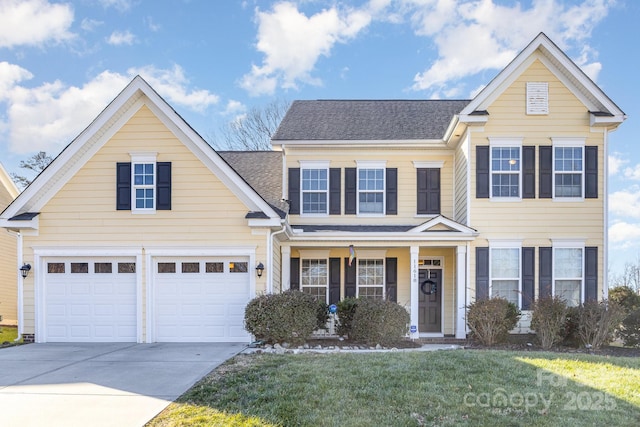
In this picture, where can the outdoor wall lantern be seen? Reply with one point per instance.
(260, 269)
(24, 270)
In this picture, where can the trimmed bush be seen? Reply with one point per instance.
(629, 331)
(597, 322)
(291, 317)
(490, 320)
(548, 320)
(628, 299)
(379, 322)
(570, 332)
(346, 310)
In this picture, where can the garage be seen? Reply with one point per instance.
(90, 300)
(201, 299)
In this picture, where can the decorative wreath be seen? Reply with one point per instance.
(431, 288)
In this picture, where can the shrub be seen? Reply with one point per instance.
(287, 317)
(570, 332)
(490, 320)
(548, 320)
(597, 322)
(629, 331)
(346, 310)
(379, 322)
(625, 297)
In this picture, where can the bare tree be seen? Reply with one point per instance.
(35, 164)
(630, 276)
(253, 131)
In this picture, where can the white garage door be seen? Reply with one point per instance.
(90, 300)
(201, 299)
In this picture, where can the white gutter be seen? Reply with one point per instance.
(270, 258)
(20, 280)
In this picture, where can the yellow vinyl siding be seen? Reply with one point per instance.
(8, 265)
(407, 181)
(205, 213)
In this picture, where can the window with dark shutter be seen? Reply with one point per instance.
(545, 190)
(123, 186)
(350, 191)
(591, 273)
(294, 191)
(428, 198)
(591, 172)
(335, 188)
(528, 277)
(334, 280)
(528, 172)
(482, 171)
(391, 273)
(392, 191)
(163, 186)
(482, 273)
(545, 274)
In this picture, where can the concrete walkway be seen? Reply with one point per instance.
(120, 384)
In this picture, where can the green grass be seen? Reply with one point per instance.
(445, 388)
(8, 333)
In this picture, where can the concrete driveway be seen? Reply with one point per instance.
(119, 384)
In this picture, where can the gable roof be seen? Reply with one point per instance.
(136, 94)
(603, 110)
(7, 183)
(353, 120)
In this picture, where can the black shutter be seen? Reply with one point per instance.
(391, 272)
(546, 172)
(334, 280)
(294, 191)
(163, 186)
(428, 183)
(482, 172)
(591, 273)
(350, 191)
(294, 274)
(529, 172)
(334, 191)
(392, 191)
(482, 273)
(528, 277)
(350, 278)
(123, 186)
(545, 275)
(591, 172)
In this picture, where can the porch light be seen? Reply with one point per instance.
(259, 269)
(24, 270)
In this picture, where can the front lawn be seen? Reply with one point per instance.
(443, 388)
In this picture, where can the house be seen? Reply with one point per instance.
(140, 231)
(8, 262)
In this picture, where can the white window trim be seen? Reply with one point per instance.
(567, 244)
(506, 244)
(314, 164)
(384, 274)
(143, 158)
(428, 165)
(309, 257)
(567, 142)
(372, 164)
(505, 142)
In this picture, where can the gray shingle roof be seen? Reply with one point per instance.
(263, 172)
(368, 119)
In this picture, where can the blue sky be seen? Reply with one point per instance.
(61, 62)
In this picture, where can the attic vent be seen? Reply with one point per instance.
(537, 98)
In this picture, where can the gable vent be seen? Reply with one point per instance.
(537, 98)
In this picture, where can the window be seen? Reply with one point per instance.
(314, 278)
(238, 267)
(505, 171)
(371, 187)
(505, 274)
(568, 274)
(568, 171)
(315, 186)
(144, 186)
(370, 278)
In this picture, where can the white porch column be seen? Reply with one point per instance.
(461, 292)
(414, 333)
(285, 268)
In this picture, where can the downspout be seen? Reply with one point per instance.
(20, 284)
(270, 258)
(605, 255)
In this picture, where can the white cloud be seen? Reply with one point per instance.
(293, 43)
(49, 116)
(120, 5)
(234, 108)
(479, 35)
(632, 173)
(90, 24)
(34, 22)
(624, 235)
(616, 162)
(626, 202)
(118, 38)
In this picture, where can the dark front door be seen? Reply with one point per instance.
(430, 301)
